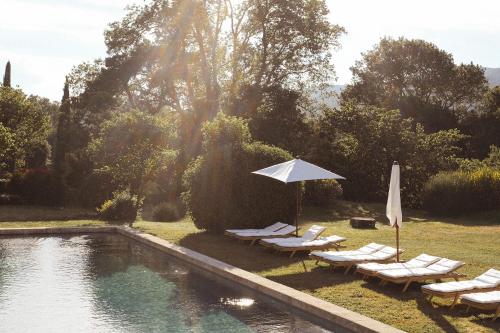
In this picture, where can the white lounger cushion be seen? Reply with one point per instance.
(422, 260)
(443, 266)
(298, 242)
(489, 279)
(310, 235)
(281, 232)
(272, 227)
(490, 297)
(386, 252)
(313, 232)
(367, 249)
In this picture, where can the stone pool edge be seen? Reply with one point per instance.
(307, 303)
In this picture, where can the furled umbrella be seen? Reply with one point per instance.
(296, 170)
(393, 209)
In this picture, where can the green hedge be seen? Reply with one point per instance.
(322, 193)
(220, 190)
(460, 192)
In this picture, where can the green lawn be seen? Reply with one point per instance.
(475, 240)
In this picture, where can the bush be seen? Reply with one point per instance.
(460, 192)
(322, 193)
(220, 191)
(36, 186)
(10, 199)
(169, 211)
(123, 207)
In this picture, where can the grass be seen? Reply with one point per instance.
(474, 239)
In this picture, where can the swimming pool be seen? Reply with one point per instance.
(109, 283)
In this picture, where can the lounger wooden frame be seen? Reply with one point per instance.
(455, 294)
(254, 238)
(482, 306)
(350, 264)
(293, 250)
(407, 280)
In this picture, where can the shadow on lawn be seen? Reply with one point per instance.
(435, 312)
(317, 277)
(240, 254)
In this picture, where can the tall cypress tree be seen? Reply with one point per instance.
(61, 142)
(6, 76)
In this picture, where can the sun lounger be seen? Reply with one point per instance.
(444, 268)
(488, 281)
(484, 301)
(254, 236)
(308, 242)
(370, 253)
(372, 268)
(273, 227)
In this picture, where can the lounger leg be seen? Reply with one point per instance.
(430, 298)
(497, 313)
(468, 308)
(293, 252)
(347, 269)
(317, 262)
(406, 285)
(455, 300)
(253, 242)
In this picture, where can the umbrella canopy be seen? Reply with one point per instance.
(295, 171)
(393, 209)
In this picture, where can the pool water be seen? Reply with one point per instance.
(108, 283)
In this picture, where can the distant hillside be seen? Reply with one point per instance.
(493, 76)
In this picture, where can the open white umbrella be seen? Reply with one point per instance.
(296, 170)
(393, 209)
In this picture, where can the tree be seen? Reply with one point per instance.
(280, 121)
(63, 132)
(133, 148)
(361, 142)
(418, 78)
(6, 76)
(28, 125)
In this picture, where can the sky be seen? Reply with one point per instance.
(44, 39)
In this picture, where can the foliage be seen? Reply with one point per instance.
(25, 127)
(483, 125)
(35, 186)
(322, 193)
(222, 193)
(361, 142)
(133, 147)
(169, 211)
(460, 192)
(122, 207)
(280, 121)
(491, 161)
(418, 78)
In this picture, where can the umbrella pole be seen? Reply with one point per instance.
(298, 211)
(397, 242)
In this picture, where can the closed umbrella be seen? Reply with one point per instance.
(393, 209)
(296, 170)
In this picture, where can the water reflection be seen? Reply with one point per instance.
(107, 283)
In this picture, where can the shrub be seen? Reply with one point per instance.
(122, 207)
(220, 191)
(460, 192)
(36, 186)
(169, 211)
(322, 193)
